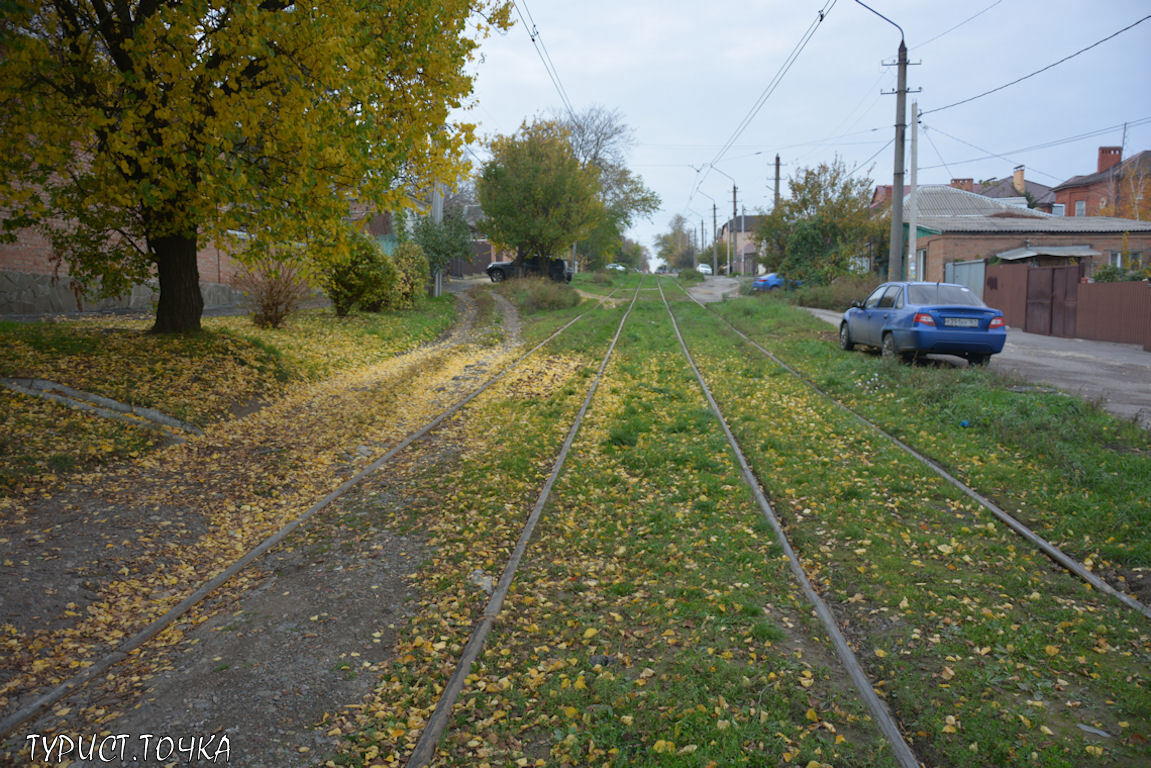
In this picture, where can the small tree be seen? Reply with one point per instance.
(537, 197)
(451, 238)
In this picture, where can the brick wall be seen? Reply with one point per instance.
(945, 248)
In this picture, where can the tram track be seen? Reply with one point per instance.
(102, 665)
(1056, 555)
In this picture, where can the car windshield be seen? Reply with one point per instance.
(943, 293)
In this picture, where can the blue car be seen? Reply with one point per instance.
(771, 281)
(905, 320)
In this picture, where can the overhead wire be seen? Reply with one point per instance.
(772, 85)
(1038, 71)
(991, 154)
(542, 51)
(957, 26)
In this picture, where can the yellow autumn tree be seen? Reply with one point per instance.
(133, 131)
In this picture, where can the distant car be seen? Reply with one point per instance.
(773, 280)
(616, 267)
(906, 319)
(556, 269)
(704, 269)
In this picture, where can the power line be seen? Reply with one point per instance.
(957, 26)
(1038, 71)
(1034, 147)
(545, 57)
(927, 135)
(868, 160)
(993, 154)
(767, 91)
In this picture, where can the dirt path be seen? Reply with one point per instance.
(294, 637)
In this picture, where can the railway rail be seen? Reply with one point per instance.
(123, 650)
(1070, 564)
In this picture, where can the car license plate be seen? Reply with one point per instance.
(961, 322)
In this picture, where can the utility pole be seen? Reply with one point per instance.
(714, 247)
(437, 218)
(895, 252)
(733, 241)
(775, 204)
(743, 247)
(912, 224)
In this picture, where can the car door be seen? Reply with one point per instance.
(881, 317)
(862, 329)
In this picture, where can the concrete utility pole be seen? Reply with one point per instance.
(912, 223)
(714, 248)
(895, 253)
(733, 241)
(775, 204)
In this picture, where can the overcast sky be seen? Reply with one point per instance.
(684, 75)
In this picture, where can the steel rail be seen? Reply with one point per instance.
(425, 748)
(124, 649)
(1058, 556)
(878, 708)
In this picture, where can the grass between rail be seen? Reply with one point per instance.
(1075, 474)
(199, 378)
(988, 655)
(653, 621)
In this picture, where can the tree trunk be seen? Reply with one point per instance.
(181, 302)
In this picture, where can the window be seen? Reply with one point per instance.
(1114, 258)
(1080, 207)
(943, 293)
(873, 299)
(890, 297)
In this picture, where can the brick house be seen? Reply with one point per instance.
(1113, 179)
(956, 226)
(745, 252)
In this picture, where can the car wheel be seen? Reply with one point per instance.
(497, 275)
(889, 351)
(845, 342)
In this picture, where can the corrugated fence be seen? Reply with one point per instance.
(1119, 312)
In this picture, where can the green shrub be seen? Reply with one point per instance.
(362, 276)
(1109, 273)
(691, 275)
(601, 277)
(412, 275)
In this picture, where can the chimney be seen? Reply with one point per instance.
(1109, 157)
(1017, 182)
(967, 185)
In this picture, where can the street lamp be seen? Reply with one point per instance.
(895, 253)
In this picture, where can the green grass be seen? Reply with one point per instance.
(959, 616)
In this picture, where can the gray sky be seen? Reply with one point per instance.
(686, 74)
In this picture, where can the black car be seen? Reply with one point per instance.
(556, 269)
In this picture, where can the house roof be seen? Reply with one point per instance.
(746, 223)
(946, 209)
(938, 200)
(1005, 188)
(1140, 161)
(1023, 224)
(1067, 251)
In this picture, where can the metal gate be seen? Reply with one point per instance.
(969, 273)
(1052, 299)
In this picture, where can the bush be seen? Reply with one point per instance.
(601, 277)
(363, 276)
(275, 287)
(1109, 273)
(691, 275)
(837, 295)
(538, 294)
(412, 275)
